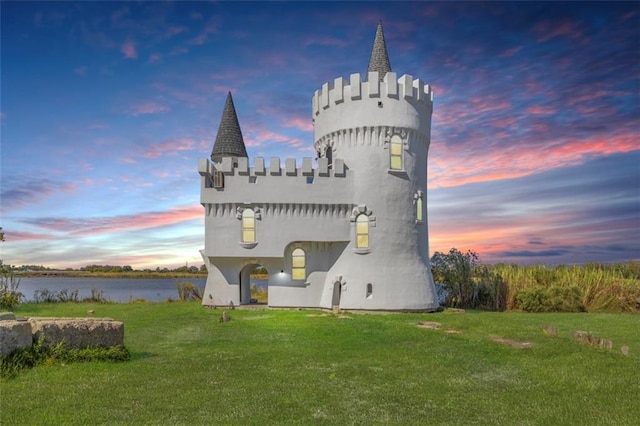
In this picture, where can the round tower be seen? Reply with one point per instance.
(380, 126)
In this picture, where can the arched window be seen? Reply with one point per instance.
(362, 231)
(298, 265)
(395, 150)
(248, 226)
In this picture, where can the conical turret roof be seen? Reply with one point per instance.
(379, 60)
(229, 142)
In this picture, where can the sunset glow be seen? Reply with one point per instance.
(107, 107)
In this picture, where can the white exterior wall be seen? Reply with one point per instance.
(357, 121)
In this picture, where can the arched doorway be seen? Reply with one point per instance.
(254, 288)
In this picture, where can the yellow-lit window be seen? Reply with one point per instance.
(419, 208)
(298, 264)
(248, 226)
(395, 148)
(362, 231)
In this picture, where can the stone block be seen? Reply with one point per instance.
(243, 166)
(338, 167)
(274, 167)
(258, 166)
(290, 166)
(307, 166)
(14, 335)
(323, 166)
(77, 333)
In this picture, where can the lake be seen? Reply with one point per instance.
(114, 289)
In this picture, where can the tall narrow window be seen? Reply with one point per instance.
(419, 208)
(298, 264)
(395, 149)
(248, 226)
(362, 231)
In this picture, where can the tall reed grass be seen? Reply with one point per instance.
(593, 287)
(602, 287)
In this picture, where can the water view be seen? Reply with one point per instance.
(114, 289)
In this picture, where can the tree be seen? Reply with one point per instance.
(455, 271)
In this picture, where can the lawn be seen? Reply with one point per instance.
(310, 367)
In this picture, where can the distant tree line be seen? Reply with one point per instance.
(186, 269)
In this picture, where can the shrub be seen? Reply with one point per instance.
(9, 283)
(97, 296)
(454, 270)
(550, 299)
(65, 296)
(44, 295)
(465, 283)
(188, 291)
(38, 354)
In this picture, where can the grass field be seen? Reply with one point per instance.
(311, 367)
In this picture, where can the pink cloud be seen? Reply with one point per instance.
(128, 49)
(174, 30)
(510, 52)
(447, 168)
(146, 108)
(27, 236)
(107, 225)
(541, 110)
(304, 124)
(548, 30)
(211, 27)
(170, 147)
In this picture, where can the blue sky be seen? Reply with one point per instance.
(106, 108)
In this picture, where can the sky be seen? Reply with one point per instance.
(106, 108)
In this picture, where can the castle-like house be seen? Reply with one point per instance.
(349, 231)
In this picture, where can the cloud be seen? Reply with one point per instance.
(23, 191)
(480, 163)
(128, 49)
(325, 41)
(510, 52)
(81, 71)
(300, 123)
(11, 237)
(529, 253)
(146, 108)
(541, 110)
(174, 30)
(171, 147)
(587, 212)
(210, 27)
(550, 29)
(114, 224)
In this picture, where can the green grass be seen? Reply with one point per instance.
(287, 367)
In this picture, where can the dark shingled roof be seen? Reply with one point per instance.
(379, 60)
(229, 142)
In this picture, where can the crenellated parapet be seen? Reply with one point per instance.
(276, 167)
(401, 102)
(341, 90)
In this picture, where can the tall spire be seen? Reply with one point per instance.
(229, 142)
(379, 60)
